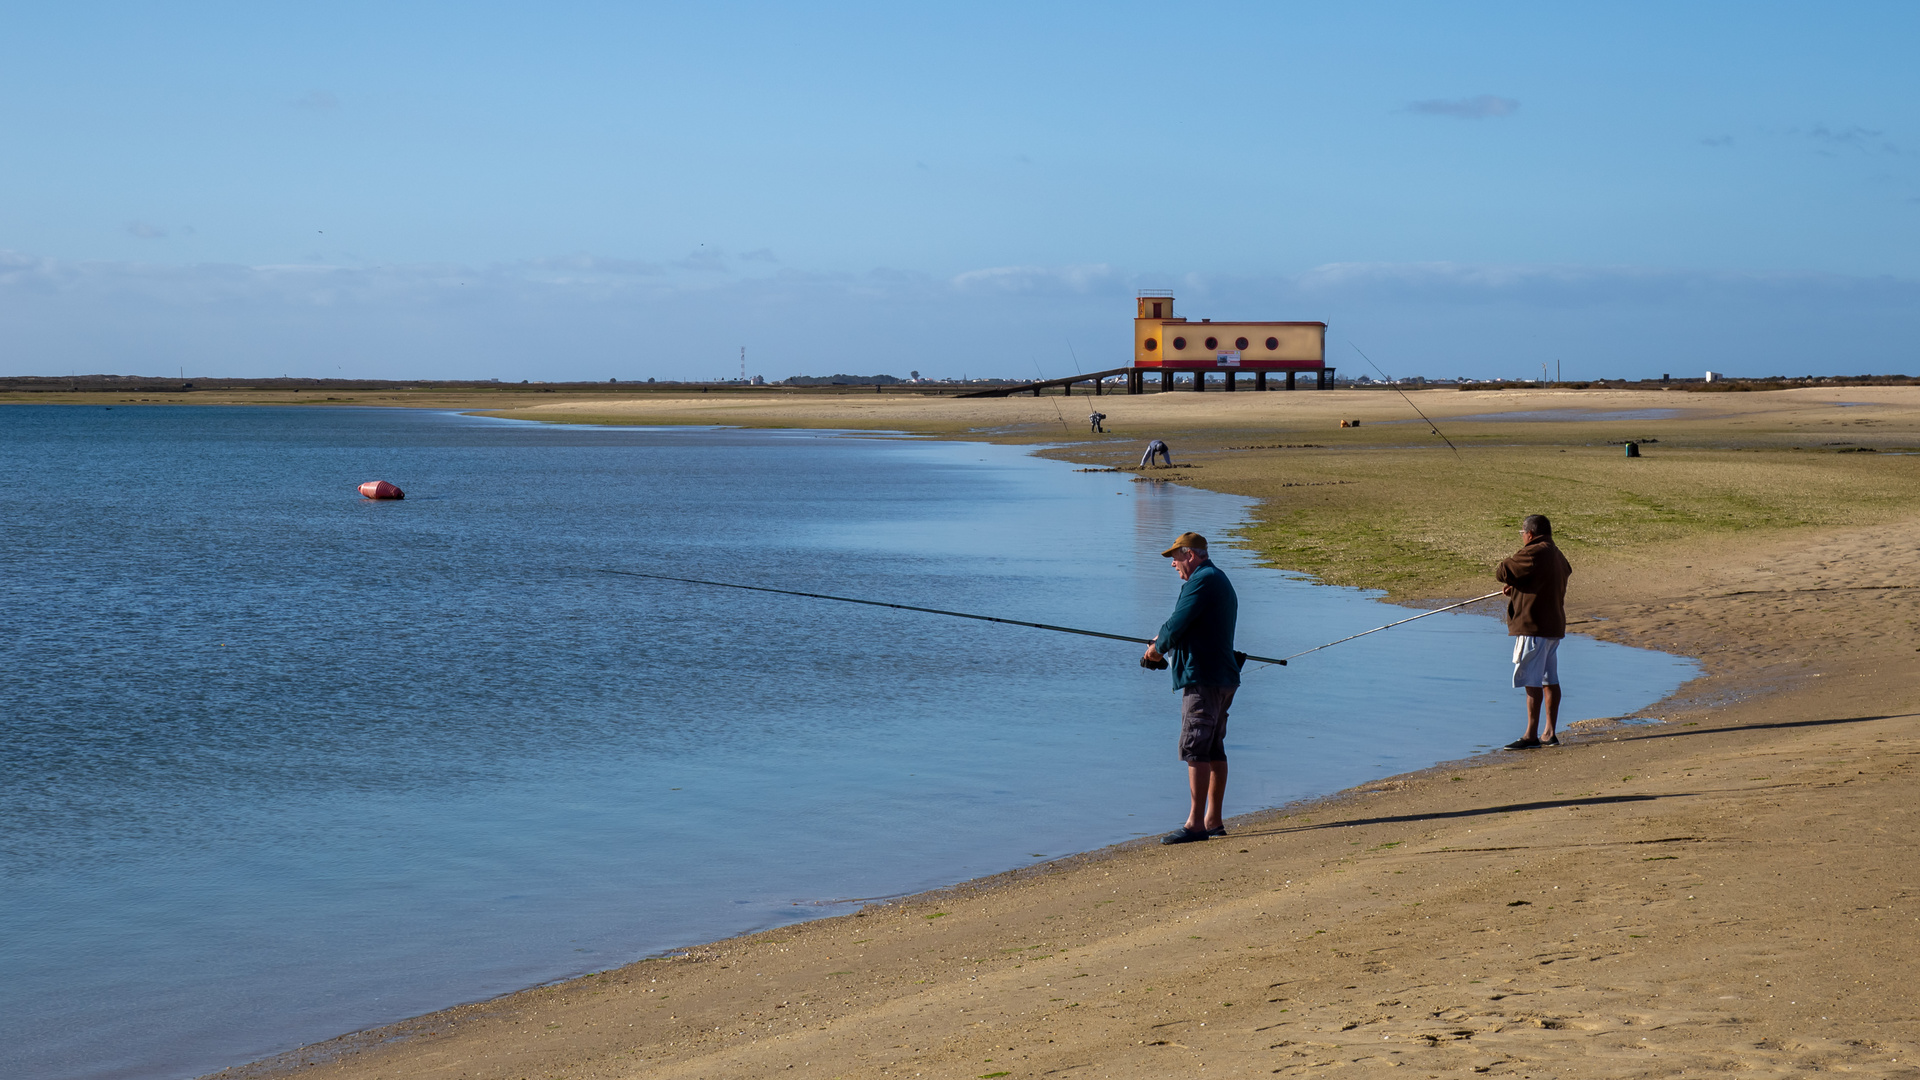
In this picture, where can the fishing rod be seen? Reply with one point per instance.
(1056, 405)
(1410, 404)
(911, 607)
(1391, 625)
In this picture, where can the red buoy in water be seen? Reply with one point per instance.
(380, 489)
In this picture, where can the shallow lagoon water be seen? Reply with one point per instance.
(283, 763)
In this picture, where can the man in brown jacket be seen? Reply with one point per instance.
(1536, 586)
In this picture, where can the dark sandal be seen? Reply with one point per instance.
(1183, 835)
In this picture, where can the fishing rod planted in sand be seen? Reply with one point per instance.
(912, 607)
(1391, 625)
(1410, 404)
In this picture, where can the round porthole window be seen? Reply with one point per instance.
(1273, 343)
(1152, 344)
(1179, 343)
(1213, 343)
(1239, 343)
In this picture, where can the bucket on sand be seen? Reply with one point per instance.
(1633, 449)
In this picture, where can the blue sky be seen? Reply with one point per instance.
(590, 191)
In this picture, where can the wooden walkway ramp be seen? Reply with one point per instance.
(1066, 385)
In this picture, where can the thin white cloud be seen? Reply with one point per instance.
(1483, 107)
(583, 316)
(1565, 285)
(1852, 137)
(705, 259)
(1028, 279)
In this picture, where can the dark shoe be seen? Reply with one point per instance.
(1218, 830)
(1183, 835)
(1555, 741)
(1523, 744)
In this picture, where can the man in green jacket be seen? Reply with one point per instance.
(1198, 641)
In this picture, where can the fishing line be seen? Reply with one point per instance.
(1279, 662)
(1410, 403)
(909, 607)
(1391, 625)
(1056, 405)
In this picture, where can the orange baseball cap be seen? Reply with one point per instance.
(1186, 540)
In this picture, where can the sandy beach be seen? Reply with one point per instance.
(1733, 888)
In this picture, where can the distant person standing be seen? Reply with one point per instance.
(1094, 418)
(1197, 642)
(1536, 586)
(1156, 447)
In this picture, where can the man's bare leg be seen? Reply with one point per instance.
(1536, 696)
(1207, 783)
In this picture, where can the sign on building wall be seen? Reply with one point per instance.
(1228, 359)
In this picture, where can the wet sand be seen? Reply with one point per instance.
(1733, 889)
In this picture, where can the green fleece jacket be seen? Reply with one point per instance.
(1197, 639)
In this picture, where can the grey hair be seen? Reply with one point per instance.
(1537, 524)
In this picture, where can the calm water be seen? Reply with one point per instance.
(282, 763)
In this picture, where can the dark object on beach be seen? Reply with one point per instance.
(1184, 835)
(380, 489)
(1633, 449)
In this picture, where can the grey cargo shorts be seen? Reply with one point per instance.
(1203, 723)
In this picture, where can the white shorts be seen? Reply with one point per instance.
(1536, 661)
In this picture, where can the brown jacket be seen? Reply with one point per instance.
(1538, 604)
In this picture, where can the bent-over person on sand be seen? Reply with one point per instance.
(1536, 586)
(1156, 448)
(1197, 640)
